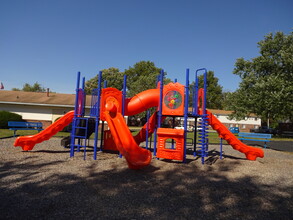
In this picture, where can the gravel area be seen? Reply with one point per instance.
(47, 184)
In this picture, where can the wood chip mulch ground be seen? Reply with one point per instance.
(46, 183)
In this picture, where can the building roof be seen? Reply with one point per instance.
(38, 98)
(60, 100)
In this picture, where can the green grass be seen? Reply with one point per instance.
(4, 133)
(213, 136)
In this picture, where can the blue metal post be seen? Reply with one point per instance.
(82, 115)
(221, 148)
(186, 111)
(147, 130)
(161, 98)
(161, 79)
(205, 92)
(124, 94)
(84, 96)
(123, 100)
(173, 125)
(98, 115)
(194, 136)
(205, 123)
(72, 142)
(195, 100)
(103, 125)
(77, 90)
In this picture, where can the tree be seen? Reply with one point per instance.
(214, 91)
(36, 87)
(142, 76)
(266, 88)
(113, 77)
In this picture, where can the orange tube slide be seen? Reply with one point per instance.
(142, 102)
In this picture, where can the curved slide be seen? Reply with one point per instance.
(135, 156)
(28, 142)
(251, 153)
(141, 135)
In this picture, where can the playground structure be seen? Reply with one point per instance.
(109, 105)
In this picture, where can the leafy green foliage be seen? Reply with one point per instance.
(214, 91)
(36, 87)
(267, 80)
(113, 77)
(6, 116)
(142, 76)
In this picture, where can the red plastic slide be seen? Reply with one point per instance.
(141, 135)
(28, 142)
(142, 101)
(251, 153)
(135, 156)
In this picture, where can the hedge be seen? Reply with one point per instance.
(6, 116)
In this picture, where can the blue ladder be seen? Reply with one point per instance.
(203, 137)
(79, 135)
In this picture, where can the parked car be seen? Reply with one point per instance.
(264, 129)
(189, 128)
(234, 130)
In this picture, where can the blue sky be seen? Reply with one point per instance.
(49, 41)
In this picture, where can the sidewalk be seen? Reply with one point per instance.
(275, 145)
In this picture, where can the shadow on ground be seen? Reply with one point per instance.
(183, 192)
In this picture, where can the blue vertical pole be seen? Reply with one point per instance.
(221, 148)
(205, 92)
(147, 130)
(173, 126)
(123, 100)
(205, 120)
(124, 94)
(186, 111)
(98, 115)
(161, 98)
(72, 142)
(103, 125)
(195, 100)
(84, 96)
(175, 80)
(161, 80)
(77, 90)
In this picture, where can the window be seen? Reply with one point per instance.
(243, 126)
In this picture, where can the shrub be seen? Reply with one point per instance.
(6, 116)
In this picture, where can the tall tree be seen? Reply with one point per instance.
(267, 86)
(113, 77)
(36, 87)
(142, 76)
(214, 91)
